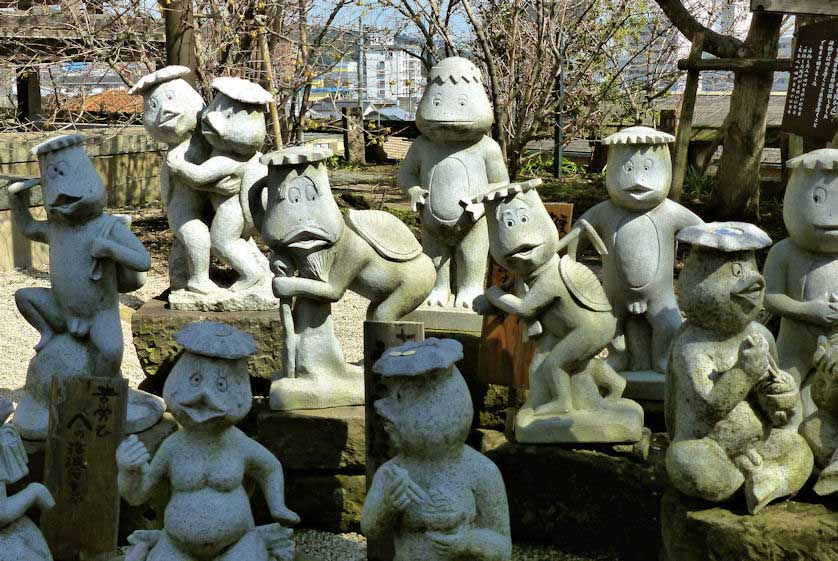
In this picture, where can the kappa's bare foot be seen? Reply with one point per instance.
(438, 298)
(465, 298)
(202, 286)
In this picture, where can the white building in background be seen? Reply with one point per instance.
(391, 74)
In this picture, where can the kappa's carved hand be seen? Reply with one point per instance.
(638, 307)
(283, 287)
(482, 306)
(101, 248)
(43, 498)
(754, 356)
(821, 312)
(132, 455)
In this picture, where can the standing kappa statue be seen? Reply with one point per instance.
(212, 162)
(638, 225)
(93, 257)
(801, 271)
(452, 162)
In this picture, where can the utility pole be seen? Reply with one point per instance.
(361, 72)
(179, 20)
(558, 134)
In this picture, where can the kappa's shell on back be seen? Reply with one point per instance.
(583, 284)
(388, 235)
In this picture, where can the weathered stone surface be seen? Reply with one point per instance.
(787, 530)
(260, 297)
(316, 439)
(154, 326)
(582, 499)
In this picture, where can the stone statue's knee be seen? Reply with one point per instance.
(700, 468)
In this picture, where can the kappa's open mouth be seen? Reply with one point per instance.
(523, 251)
(638, 190)
(308, 238)
(201, 413)
(751, 295)
(65, 202)
(827, 227)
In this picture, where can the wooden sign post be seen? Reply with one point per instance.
(812, 99)
(378, 337)
(504, 358)
(810, 7)
(86, 425)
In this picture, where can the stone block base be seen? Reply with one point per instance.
(322, 453)
(154, 327)
(592, 499)
(694, 531)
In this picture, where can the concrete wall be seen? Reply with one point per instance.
(127, 159)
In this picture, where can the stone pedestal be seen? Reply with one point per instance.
(491, 401)
(154, 327)
(322, 452)
(695, 531)
(591, 500)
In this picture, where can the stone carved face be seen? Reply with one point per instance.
(73, 190)
(454, 107)
(233, 126)
(171, 111)
(522, 236)
(810, 209)
(301, 213)
(638, 176)
(722, 292)
(428, 415)
(206, 391)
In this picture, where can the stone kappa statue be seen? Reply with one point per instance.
(438, 499)
(567, 315)
(212, 162)
(820, 429)
(728, 404)
(93, 257)
(317, 257)
(638, 225)
(452, 162)
(801, 271)
(171, 111)
(20, 538)
(205, 463)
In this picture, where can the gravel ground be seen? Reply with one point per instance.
(353, 547)
(19, 338)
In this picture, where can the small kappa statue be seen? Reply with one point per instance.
(205, 463)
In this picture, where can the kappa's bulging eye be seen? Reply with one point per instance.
(736, 269)
(628, 167)
(221, 384)
(294, 195)
(648, 164)
(462, 100)
(819, 195)
(311, 192)
(437, 101)
(153, 103)
(196, 379)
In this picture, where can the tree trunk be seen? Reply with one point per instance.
(180, 36)
(736, 194)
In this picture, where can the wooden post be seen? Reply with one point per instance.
(378, 337)
(267, 67)
(180, 36)
(354, 146)
(685, 122)
(86, 425)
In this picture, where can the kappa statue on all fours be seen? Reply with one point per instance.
(318, 254)
(452, 162)
(638, 225)
(568, 317)
(801, 271)
(20, 538)
(728, 404)
(205, 464)
(93, 257)
(437, 499)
